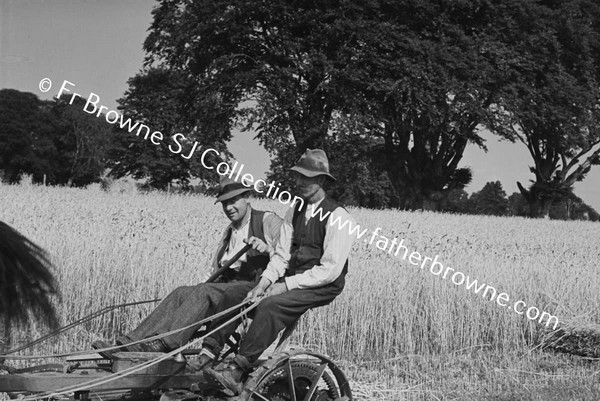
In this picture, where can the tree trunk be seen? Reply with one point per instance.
(5, 338)
(546, 209)
(540, 208)
(411, 197)
(569, 207)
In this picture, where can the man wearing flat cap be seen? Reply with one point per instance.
(307, 270)
(189, 304)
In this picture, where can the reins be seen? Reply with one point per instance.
(126, 372)
(107, 309)
(76, 323)
(116, 347)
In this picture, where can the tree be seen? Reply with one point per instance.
(572, 208)
(428, 75)
(361, 180)
(552, 102)
(414, 75)
(286, 57)
(456, 201)
(23, 129)
(81, 141)
(490, 200)
(50, 138)
(517, 205)
(164, 101)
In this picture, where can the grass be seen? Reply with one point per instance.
(399, 331)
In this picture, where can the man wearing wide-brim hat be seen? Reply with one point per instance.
(189, 304)
(307, 270)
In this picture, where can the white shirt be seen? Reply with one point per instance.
(271, 227)
(336, 248)
(236, 243)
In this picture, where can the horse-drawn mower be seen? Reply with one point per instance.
(290, 375)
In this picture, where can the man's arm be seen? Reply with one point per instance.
(279, 260)
(336, 248)
(271, 228)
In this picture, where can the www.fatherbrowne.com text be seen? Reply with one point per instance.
(396, 247)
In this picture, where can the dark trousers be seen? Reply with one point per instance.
(272, 315)
(182, 307)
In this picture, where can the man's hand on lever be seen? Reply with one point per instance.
(258, 244)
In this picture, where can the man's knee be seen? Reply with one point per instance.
(179, 291)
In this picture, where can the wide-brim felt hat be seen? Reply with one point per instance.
(229, 188)
(313, 163)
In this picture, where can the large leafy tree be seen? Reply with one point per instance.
(51, 139)
(428, 73)
(552, 104)
(517, 205)
(287, 59)
(24, 126)
(573, 208)
(457, 201)
(81, 140)
(411, 78)
(490, 200)
(189, 122)
(288, 56)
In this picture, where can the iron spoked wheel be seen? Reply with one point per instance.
(297, 375)
(308, 381)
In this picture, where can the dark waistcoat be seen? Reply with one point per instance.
(255, 261)
(308, 239)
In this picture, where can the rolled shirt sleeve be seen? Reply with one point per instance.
(281, 256)
(271, 228)
(336, 248)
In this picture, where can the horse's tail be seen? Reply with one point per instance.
(26, 280)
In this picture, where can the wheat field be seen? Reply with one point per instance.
(400, 332)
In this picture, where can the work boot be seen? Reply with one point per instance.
(157, 345)
(230, 378)
(206, 359)
(100, 345)
(123, 340)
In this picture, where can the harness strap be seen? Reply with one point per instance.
(74, 324)
(126, 372)
(116, 347)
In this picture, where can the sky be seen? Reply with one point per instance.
(97, 46)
